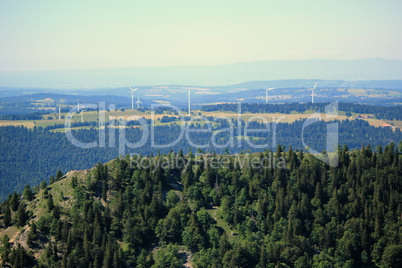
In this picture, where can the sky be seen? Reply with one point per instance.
(76, 34)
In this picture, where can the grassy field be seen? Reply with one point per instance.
(92, 116)
(376, 122)
(373, 93)
(214, 212)
(25, 123)
(396, 123)
(270, 117)
(62, 195)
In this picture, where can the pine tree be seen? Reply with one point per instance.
(5, 249)
(21, 216)
(14, 201)
(224, 245)
(7, 217)
(32, 235)
(59, 175)
(50, 202)
(27, 193)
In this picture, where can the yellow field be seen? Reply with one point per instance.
(396, 123)
(92, 116)
(270, 117)
(357, 91)
(379, 123)
(375, 122)
(25, 123)
(371, 93)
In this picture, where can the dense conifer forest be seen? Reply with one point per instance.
(29, 156)
(267, 209)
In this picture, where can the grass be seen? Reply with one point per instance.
(358, 91)
(73, 128)
(92, 116)
(62, 194)
(396, 123)
(270, 117)
(371, 93)
(214, 212)
(12, 232)
(25, 123)
(375, 122)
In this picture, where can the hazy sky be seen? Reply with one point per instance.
(76, 34)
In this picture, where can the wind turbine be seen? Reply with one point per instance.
(189, 102)
(138, 103)
(132, 96)
(266, 94)
(78, 101)
(59, 112)
(312, 93)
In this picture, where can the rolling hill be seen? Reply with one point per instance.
(220, 75)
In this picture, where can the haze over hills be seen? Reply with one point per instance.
(219, 75)
(379, 92)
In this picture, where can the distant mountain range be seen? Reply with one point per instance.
(211, 76)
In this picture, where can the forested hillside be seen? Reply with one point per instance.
(215, 211)
(30, 156)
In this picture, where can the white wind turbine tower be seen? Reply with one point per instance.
(78, 101)
(312, 93)
(59, 112)
(189, 102)
(132, 96)
(266, 94)
(138, 103)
